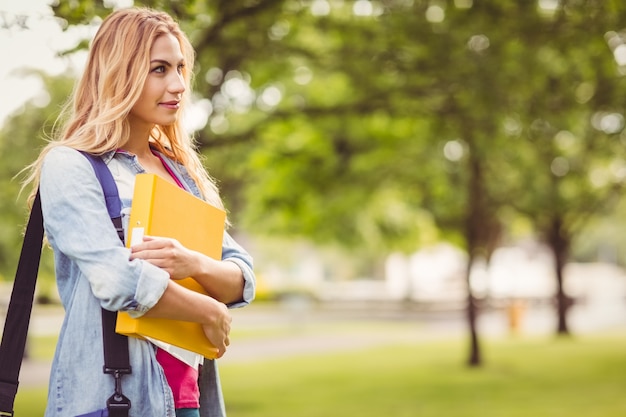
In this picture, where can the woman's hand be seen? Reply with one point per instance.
(222, 280)
(168, 254)
(180, 303)
(218, 331)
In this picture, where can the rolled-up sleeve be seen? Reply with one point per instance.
(77, 224)
(233, 252)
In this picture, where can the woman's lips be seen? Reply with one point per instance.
(171, 104)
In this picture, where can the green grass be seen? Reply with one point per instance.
(554, 378)
(581, 376)
(30, 402)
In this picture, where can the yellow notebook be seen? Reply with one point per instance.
(160, 208)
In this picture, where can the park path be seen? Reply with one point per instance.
(302, 329)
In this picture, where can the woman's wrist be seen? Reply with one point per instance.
(222, 280)
(212, 311)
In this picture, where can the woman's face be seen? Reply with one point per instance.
(160, 98)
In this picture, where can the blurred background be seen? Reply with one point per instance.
(457, 164)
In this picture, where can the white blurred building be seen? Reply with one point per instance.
(437, 274)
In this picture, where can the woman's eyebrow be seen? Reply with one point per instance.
(165, 62)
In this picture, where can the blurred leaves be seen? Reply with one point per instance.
(393, 123)
(21, 139)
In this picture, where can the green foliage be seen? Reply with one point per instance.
(370, 102)
(78, 12)
(21, 138)
(416, 121)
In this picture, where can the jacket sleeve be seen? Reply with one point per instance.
(78, 225)
(233, 252)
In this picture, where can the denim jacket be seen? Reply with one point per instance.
(93, 270)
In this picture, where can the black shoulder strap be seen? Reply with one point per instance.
(116, 359)
(20, 307)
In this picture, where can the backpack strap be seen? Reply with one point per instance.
(19, 311)
(111, 195)
(116, 358)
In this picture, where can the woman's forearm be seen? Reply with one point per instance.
(180, 303)
(223, 280)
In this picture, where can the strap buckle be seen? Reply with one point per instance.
(118, 403)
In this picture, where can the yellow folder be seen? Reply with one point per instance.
(160, 208)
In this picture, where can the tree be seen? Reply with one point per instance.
(568, 120)
(349, 121)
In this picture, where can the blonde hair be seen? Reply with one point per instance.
(113, 79)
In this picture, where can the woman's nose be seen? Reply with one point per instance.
(177, 85)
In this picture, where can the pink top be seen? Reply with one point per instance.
(182, 379)
(169, 171)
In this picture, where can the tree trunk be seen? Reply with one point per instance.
(476, 227)
(559, 244)
(475, 357)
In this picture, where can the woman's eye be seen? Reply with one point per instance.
(180, 68)
(159, 69)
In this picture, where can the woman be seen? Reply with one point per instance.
(127, 109)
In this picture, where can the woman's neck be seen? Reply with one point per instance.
(141, 149)
(138, 142)
(150, 162)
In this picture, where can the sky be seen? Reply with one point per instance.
(32, 47)
(35, 45)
